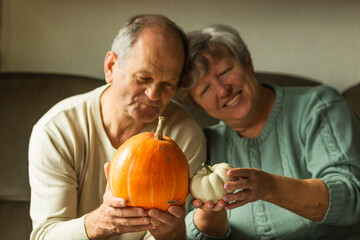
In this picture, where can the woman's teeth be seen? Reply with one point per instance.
(233, 100)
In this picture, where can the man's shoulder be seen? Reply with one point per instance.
(180, 124)
(67, 108)
(176, 114)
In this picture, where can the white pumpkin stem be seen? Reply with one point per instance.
(159, 130)
(208, 170)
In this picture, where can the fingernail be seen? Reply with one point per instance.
(226, 198)
(227, 186)
(123, 202)
(197, 204)
(222, 204)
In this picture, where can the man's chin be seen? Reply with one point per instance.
(146, 117)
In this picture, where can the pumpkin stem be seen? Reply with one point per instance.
(208, 170)
(159, 130)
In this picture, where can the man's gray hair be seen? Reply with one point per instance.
(131, 29)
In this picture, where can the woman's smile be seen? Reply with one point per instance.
(233, 101)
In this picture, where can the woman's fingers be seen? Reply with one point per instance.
(209, 205)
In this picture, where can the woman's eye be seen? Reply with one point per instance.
(204, 90)
(225, 71)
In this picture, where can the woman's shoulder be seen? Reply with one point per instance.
(217, 131)
(320, 92)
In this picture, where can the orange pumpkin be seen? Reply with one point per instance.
(150, 171)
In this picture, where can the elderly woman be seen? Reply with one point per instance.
(295, 151)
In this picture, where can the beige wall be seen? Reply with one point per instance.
(319, 39)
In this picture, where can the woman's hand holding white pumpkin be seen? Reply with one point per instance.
(208, 183)
(207, 187)
(253, 183)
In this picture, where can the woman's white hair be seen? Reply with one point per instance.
(216, 41)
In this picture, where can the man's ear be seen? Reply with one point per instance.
(109, 63)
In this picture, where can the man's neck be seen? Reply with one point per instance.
(118, 126)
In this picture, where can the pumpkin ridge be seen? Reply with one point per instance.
(174, 183)
(129, 184)
(152, 188)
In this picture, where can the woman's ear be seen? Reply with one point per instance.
(109, 63)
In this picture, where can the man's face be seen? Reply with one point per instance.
(145, 83)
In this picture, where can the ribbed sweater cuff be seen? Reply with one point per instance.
(337, 190)
(77, 229)
(193, 232)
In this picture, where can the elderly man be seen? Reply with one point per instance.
(73, 142)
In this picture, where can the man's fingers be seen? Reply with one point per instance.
(174, 212)
(177, 211)
(133, 221)
(113, 201)
(159, 215)
(155, 222)
(126, 229)
(130, 212)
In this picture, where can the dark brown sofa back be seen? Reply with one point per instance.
(24, 98)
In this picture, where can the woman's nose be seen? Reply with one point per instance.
(223, 89)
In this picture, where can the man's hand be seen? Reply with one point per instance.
(168, 225)
(113, 217)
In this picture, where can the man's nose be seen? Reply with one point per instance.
(153, 92)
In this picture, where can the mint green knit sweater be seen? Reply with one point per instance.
(311, 133)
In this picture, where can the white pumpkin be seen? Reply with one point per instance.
(207, 184)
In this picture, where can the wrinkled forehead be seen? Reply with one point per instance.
(203, 60)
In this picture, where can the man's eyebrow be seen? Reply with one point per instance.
(143, 71)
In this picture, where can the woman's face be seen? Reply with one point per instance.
(228, 91)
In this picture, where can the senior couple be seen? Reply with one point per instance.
(295, 151)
